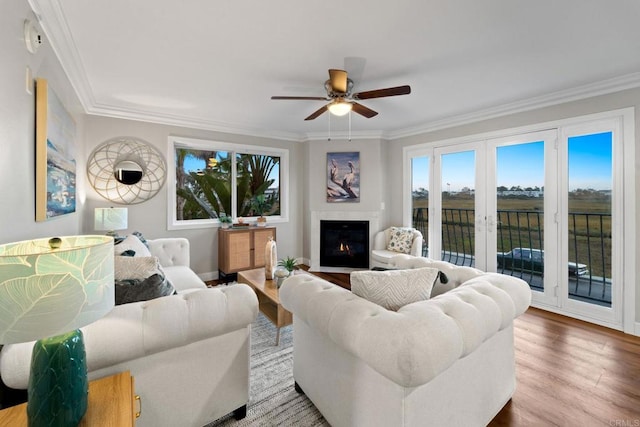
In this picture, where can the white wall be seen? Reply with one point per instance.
(17, 130)
(374, 170)
(627, 98)
(150, 217)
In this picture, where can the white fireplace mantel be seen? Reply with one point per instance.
(317, 216)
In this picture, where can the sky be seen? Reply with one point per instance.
(590, 165)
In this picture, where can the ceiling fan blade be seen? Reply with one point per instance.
(338, 80)
(363, 111)
(307, 98)
(317, 113)
(381, 93)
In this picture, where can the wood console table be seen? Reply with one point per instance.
(111, 403)
(241, 249)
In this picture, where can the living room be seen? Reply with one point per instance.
(382, 154)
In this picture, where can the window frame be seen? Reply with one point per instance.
(234, 148)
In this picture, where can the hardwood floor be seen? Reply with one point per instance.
(569, 372)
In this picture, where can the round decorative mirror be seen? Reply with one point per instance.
(126, 170)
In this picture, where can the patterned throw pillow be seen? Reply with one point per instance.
(393, 289)
(139, 279)
(127, 267)
(401, 240)
(132, 243)
(141, 238)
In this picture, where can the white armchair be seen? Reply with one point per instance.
(381, 255)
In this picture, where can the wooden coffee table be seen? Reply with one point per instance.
(268, 300)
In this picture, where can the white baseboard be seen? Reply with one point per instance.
(212, 275)
(637, 329)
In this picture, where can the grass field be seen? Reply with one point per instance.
(521, 224)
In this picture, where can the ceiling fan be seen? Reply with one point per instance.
(341, 100)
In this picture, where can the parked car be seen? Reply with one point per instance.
(532, 260)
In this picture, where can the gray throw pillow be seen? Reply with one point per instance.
(393, 289)
(134, 290)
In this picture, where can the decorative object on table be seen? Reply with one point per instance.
(260, 205)
(110, 219)
(270, 258)
(55, 155)
(47, 292)
(343, 177)
(126, 170)
(240, 222)
(225, 221)
(280, 274)
(289, 264)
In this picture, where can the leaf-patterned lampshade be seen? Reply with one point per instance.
(46, 292)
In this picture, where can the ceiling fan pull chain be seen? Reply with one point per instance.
(329, 137)
(349, 126)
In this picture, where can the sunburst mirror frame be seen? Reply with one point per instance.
(104, 170)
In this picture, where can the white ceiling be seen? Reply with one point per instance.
(215, 64)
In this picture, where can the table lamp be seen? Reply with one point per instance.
(48, 289)
(110, 219)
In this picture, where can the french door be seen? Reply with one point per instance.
(591, 206)
(543, 206)
(455, 188)
(521, 226)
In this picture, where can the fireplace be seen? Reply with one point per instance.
(344, 244)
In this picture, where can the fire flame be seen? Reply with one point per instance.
(344, 248)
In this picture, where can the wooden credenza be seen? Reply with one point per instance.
(241, 249)
(111, 403)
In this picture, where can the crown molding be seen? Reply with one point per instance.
(57, 30)
(53, 22)
(190, 122)
(604, 87)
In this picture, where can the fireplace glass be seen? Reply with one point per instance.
(344, 244)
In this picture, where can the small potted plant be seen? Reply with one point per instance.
(225, 221)
(285, 269)
(260, 205)
(289, 264)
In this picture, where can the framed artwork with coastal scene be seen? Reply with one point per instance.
(343, 177)
(55, 155)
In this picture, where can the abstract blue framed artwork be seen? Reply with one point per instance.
(343, 177)
(55, 155)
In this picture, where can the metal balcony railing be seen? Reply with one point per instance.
(520, 247)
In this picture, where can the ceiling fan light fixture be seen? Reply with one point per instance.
(340, 107)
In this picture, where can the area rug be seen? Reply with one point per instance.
(273, 400)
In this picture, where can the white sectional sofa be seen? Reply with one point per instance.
(189, 353)
(448, 360)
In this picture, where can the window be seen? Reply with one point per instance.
(213, 179)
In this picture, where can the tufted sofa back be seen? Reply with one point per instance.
(455, 274)
(171, 251)
(420, 340)
(151, 327)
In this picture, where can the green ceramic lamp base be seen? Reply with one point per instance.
(58, 384)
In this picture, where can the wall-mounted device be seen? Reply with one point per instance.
(32, 36)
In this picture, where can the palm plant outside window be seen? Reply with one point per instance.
(207, 182)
